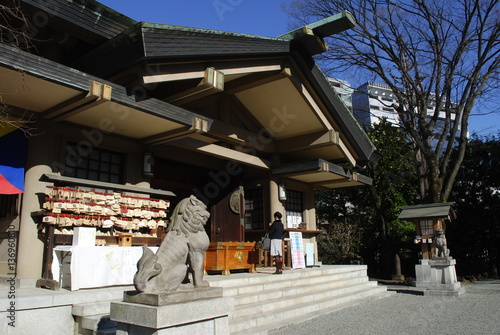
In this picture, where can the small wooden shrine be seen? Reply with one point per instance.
(430, 272)
(428, 218)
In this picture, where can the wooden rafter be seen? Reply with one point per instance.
(97, 94)
(199, 126)
(253, 80)
(237, 136)
(309, 141)
(223, 152)
(212, 82)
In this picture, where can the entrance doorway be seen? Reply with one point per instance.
(226, 206)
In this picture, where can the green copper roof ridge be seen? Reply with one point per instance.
(343, 18)
(117, 13)
(205, 31)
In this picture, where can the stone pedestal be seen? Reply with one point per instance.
(422, 274)
(197, 311)
(443, 278)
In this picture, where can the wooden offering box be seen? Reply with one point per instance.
(125, 239)
(227, 256)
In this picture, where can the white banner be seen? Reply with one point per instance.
(297, 250)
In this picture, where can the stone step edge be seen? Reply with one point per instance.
(265, 329)
(306, 289)
(328, 294)
(91, 322)
(241, 321)
(286, 277)
(249, 280)
(285, 283)
(92, 308)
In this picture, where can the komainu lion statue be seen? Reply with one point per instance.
(440, 245)
(183, 246)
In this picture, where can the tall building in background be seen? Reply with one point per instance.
(373, 101)
(369, 103)
(344, 90)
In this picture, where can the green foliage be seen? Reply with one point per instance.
(365, 218)
(437, 57)
(340, 219)
(474, 236)
(340, 243)
(394, 176)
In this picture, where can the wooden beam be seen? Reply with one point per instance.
(240, 137)
(158, 72)
(347, 153)
(104, 185)
(199, 126)
(225, 153)
(254, 80)
(94, 93)
(311, 42)
(324, 27)
(104, 96)
(250, 69)
(160, 78)
(314, 106)
(212, 82)
(309, 141)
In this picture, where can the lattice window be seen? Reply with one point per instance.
(426, 227)
(294, 207)
(254, 209)
(94, 164)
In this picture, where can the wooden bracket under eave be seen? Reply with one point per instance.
(199, 126)
(98, 93)
(309, 141)
(212, 82)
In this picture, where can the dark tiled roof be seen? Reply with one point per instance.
(90, 16)
(437, 210)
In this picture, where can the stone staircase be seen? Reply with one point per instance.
(264, 302)
(93, 318)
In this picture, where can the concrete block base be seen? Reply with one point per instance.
(205, 316)
(160, 299)
(445, 290)
(422, 274)
(443, 278)
(208, 327)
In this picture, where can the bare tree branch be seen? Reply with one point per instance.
(438, 57)
(14, 31)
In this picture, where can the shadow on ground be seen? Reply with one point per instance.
(400, 287)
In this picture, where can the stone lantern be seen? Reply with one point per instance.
(436, 271)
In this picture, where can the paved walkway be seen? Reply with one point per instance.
(409, 312)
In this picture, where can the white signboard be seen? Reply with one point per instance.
(297, 250)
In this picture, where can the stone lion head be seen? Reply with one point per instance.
(189, 216)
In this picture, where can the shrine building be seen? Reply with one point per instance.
(127, 118)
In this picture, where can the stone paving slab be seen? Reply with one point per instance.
(410, 312)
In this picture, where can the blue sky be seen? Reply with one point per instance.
(255, 17)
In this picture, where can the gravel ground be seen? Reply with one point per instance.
(409, 312)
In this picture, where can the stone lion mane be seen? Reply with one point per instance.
(187, 217)
(184, 245)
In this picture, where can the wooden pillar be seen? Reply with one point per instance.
(275, 203)
(30, 247)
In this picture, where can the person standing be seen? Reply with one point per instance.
(276, 230)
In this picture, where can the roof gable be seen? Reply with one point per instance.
(152, 42)
(88, 17)
(438, 210)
